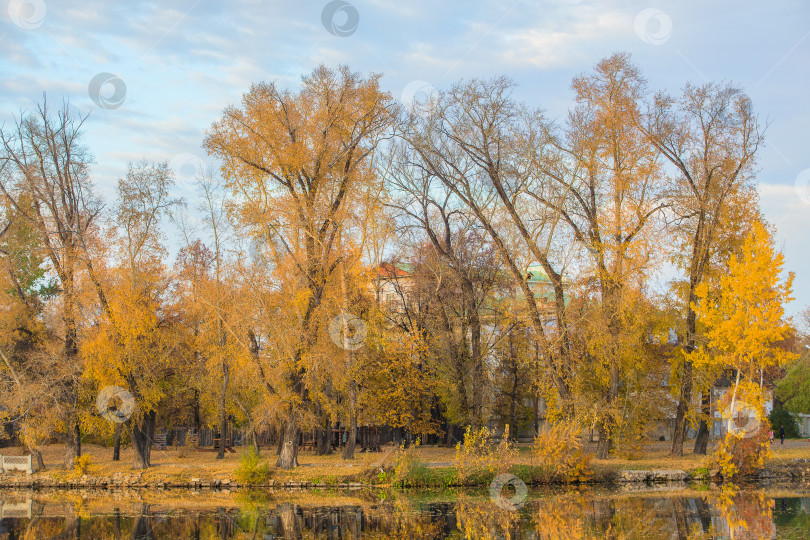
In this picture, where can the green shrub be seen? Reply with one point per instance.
(251, 469)
(782, 417)
(410, 471)
(701, 473)
(420, 475)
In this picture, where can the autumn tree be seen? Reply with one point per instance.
(135, 342)
(209, 297)
(605, 186)
(398, 383)
(710, 135)
(793, 389)
(43, 162)
(746, 328)
(455, 271)
(294, 162)
(29, 375)
(514, 377)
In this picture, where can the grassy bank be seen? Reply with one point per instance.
(427, 467)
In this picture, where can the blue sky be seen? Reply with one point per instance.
(181, 62)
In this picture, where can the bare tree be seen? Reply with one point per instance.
(43, 158)
(605, 185)
(711, 135)
(456, 265)
(474, 141)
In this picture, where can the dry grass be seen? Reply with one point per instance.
(172, 464)
(179, 465)
(656, 456)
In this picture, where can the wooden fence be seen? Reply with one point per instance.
(369, 438)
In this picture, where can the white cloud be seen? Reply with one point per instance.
(558, 43)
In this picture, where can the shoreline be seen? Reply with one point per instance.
(425, 467)
(797, 471)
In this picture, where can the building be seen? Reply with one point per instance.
(804, 424)
(719, 425)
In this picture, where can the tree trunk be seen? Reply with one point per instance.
(142, 528)
(77, 433)
(119, 428)
(680, 511)
(325, 438)
(197, 418)
(606, 426)
(704, 514)
(152, 424)
(288, 516)
(70, 453)
(38, 456)
(117, 523)
(288, 457)
(536, 415)
(320, 445)
(255, 441)
(685, 398)
(351, 440)
(679, 432)
(603, 446)
(73, 445)
(515, 382)
(448, 441)
(142, 441)
(223, 419)
(702, 439)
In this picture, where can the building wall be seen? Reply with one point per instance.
(804, 424)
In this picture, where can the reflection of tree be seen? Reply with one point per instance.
(561, 517)
(603, 511)
(744, 515)
(704, 515)
(402, 519)
(288, 516)
(486, 520)
(791, 520)
(142, 528)
(725, 513)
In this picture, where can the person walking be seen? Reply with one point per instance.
(782, 433)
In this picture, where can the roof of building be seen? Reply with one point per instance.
(536, 274)
(389, 270)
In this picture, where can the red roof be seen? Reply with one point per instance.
(388, 270)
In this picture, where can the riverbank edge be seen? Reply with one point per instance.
(795, 470)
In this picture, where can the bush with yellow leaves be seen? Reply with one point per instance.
(558, 454)
(476, 457)
(83, 465)
(746, 444)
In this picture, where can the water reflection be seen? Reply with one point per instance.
(682, 514)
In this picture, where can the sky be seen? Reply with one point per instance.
(153, 76)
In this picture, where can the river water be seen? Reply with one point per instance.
(779, 512)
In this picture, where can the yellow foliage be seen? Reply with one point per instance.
(558, 452)
(476, 454)
(744, 316)
(84, 465)
(746, 445)
(405, 459)
(744, 313)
